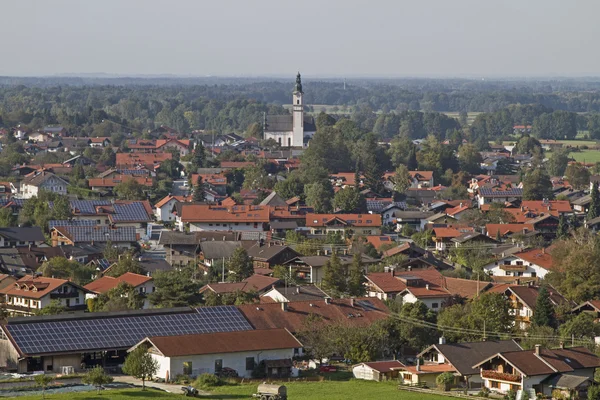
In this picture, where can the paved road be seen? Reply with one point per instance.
(167, 387)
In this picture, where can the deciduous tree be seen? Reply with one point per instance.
(239, 265)
(140, 364)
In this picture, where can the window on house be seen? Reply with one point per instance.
(495, 385)
(249, 363)
(533, 274)
(408, 377)
(367, 232)
(435, 305)
(187, 368)
(77, 300)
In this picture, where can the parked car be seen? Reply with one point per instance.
(327, 368)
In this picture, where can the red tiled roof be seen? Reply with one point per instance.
(33, 288)
(532, 209)
(506, 229)
(213, 179)
(384, 366)
(118, 179)
(268, 316)
(106, 283)
(378, 241)
(224, 342)
(146, 159)
(362, 220)
(256, 283)
(539, 257)
(433, 283)
(429, 369)
(210, 213)
(168, 198)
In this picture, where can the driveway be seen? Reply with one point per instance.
(167, 387)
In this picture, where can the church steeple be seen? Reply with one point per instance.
(298, 86)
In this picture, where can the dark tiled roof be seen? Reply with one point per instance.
(463, 356)
(23, 234)
(218, 249)
(266, 252)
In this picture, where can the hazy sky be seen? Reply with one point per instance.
(317, 37)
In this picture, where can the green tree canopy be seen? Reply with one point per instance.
(140, 364)
(176, 288)
(349, 200)
(537, 185)
(239, 265)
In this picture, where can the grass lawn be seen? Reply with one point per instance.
(330, 390)
(116, 394)
(588, 156)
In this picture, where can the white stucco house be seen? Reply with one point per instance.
(42, 180)
(529, 263)
(209, 353)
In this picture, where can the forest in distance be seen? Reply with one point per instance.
(412, 108)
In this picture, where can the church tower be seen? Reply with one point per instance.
(298, 114)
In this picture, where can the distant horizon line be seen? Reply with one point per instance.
(110, 75)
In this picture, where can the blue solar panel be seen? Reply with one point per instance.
(54, 223)
(121, 332)
(87, 206)
(501, 193)
(130, 212)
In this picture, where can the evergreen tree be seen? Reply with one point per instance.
(356, 279)
(544, 310)
(199, 190)
(334, 281)
(563, 229)
(357, 177)
(240, 265)
(537, 185)
(411, 162)
(498, 236)
(594, 210)
(199, 160)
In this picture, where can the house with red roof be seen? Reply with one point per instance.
(345, 224)
(142, 284)
(533, 263)
(163, 210)
(28, 295)
(150, 161)
(243, 218)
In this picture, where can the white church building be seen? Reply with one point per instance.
(291, 130)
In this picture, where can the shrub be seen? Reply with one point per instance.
(510, 395)
(208, 381)
(447, 378)
(484, 392)
(594, 392)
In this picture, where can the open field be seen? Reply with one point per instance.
(124, 394)
(332, 390)
(587, 156)
(470, 115)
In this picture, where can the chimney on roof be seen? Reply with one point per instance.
(442, 340)
(352, 302)
(284, 306)
(327, 300)
(537, 349)
(460, 205)
(418, 365)
(561, 344)
(543, 250)
(427, 286)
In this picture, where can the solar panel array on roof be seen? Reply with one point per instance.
(130, 212)
(517, 192)
(101, 233)
(54, 223)
(379, 205)
(133, 171)
(87, 206)
(90, 334)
